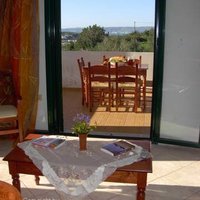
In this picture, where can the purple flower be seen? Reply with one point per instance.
(82, 124)
(80, 117)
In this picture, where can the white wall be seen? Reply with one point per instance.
(181, 87)
(42, 121)
(70, 70)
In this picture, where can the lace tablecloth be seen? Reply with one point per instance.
(78, 173)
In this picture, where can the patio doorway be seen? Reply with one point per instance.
(137, 34)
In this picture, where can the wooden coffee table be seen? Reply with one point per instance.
(19, 163)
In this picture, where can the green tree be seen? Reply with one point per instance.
(150, 40)
(90, 37)
(95, 38)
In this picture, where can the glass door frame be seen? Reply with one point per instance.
(53, 65)
(54, 72)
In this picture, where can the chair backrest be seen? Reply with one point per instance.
(99, 79)
(100, 73)
(82, 61)
(81, 64)
(105, 60)
(7, 92)
(138, 61)
(10, 106)
(124, 71)
(127, 83)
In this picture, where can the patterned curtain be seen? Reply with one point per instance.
(19, 52)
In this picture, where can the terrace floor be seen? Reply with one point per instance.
(123, 122)
(176, 176)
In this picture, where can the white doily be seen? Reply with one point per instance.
(78, 173)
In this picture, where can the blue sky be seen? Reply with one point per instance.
(83, 13)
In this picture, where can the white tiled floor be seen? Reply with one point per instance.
(176, 176)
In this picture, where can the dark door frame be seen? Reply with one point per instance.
(53, 65)
(54, 73)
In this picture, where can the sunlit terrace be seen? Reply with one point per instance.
(124, 121)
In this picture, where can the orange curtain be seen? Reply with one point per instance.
(5, 29)
(19, 51)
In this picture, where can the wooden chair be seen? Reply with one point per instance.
(9, 111)
(105, 60)
(140, 59)
(84, 87)
(128, 85)
(143, 87)
(99, 85)
(9, 192)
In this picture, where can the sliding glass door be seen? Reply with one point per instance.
(162, 128)
(180, 118)
(92, 30)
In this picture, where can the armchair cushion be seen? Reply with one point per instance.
(8, 111)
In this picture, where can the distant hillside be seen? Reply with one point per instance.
(113, 30)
